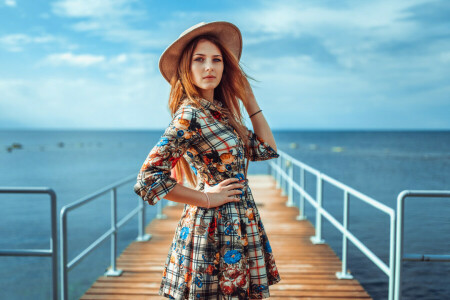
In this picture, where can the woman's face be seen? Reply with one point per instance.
(206, 66)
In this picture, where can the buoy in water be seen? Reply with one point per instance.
(337, 149)
(313, 147)
(16, 146)
(293, 145)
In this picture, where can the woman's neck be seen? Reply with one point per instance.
(208, 95)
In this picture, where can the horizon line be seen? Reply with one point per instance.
(273, 129)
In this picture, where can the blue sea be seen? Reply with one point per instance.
(380, 164)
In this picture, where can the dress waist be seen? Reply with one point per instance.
(205, 185)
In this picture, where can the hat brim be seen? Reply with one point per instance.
(227, 33)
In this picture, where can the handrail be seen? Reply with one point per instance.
(399, 255)
(53, 251)
(112, 232)
(283, 171)
(284, 179)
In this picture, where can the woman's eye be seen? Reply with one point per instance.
(201, 59)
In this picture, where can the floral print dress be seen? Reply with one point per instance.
(221, 252)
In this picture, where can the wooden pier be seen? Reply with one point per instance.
(307, 271)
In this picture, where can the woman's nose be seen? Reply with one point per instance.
(208, 66)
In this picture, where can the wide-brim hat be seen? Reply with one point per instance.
(227, 33)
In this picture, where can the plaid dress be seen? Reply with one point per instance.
(221, 252)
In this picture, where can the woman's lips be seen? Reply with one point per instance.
(209, 77)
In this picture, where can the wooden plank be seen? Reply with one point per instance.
(307, 271)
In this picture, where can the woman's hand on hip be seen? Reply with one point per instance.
(224, 192)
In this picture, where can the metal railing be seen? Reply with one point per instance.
(53, 251)
(399, 255)
(283, 172)
(65, 267)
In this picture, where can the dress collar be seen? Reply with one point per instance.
(215, 105)
(216, 108)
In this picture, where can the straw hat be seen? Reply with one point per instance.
(227, 33)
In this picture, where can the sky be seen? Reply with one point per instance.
(375, 65)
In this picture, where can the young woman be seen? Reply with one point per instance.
(220, 249)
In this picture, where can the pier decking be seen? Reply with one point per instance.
(307, 271)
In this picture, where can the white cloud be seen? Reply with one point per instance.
(121, 58)
(367, 70)
(445, 57)
(110, 20)
(300, 92)
(372, 45)
(94, 9)
(295, 17)
(128, 93)
(89, 60)
(14, 42)
(352, 34)
(82, 60)
(10, 3)
(17, 42)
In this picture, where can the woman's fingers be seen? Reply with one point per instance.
(228, 181)
(236, 192)
(234, 199)
(228, 190)
(235, 186)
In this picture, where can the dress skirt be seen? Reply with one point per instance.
(220, 253)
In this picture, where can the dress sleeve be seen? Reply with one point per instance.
(260, 150)
(154, 177)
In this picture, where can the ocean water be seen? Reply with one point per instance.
(380, 164)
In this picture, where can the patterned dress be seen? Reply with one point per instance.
(221, 252)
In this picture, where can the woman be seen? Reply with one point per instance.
(220, 249)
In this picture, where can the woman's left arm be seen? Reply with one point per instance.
(259, 122)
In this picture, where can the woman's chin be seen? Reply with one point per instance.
(206, 87)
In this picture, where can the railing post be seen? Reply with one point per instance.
(63, 254)
(283, 177)
(279, 172)
(290, 201)
(142, 236)
(54, 243)
(53, 249)
(64, 266)
(343, 274)
(399, 246)
(160, 214)
(285, 180)
(392, 257)
(274, 170)
(317, 239)
(301, 207)
(112, 271)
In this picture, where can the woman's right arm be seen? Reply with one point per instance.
(154, 179)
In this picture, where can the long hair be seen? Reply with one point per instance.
(230, 90)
